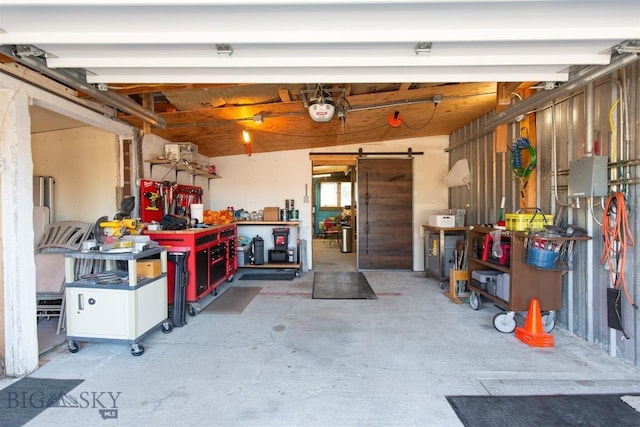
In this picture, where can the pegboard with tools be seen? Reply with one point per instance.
(164, 198)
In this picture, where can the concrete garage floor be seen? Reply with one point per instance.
(289, 360)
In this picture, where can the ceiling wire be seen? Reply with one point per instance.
(322, 134)
(435, 107)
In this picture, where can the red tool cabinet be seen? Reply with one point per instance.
(211, 261)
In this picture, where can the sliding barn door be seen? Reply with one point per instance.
(385, 206)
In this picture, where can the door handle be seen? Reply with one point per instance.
(80, 301)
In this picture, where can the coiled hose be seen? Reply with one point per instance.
(617, 236)
(517, 147)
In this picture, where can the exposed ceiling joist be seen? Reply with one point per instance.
(213, 68)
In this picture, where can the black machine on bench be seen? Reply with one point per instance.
(281, 253)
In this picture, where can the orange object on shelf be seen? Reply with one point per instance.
(220, 217)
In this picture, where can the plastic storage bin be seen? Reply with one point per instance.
(244, 255)
(502, 288)
(526, 222)
(542, 258)
(482, 277)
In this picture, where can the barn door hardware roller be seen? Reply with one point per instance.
(409, 153)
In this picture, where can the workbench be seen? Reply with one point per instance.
(211, 262)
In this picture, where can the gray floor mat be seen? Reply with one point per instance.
(341, 285)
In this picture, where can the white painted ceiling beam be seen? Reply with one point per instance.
(327, 75)
(311, 23)
(323, 56)
(325, 62)
(306, 41)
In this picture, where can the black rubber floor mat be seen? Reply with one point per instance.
(341, 285)
(592, 410)
(28, 397)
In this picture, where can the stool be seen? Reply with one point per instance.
(332, 236)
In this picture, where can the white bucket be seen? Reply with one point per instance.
(197, 210)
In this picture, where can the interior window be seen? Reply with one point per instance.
(335, 194)
(328, 194)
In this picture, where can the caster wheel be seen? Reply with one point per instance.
(441, 285)
(504, 323)
(297, 274)
(192, 311)
(137, 350)
(548, 322)
(73, 347)
(230, 278)
(167, 327)
(474, 301)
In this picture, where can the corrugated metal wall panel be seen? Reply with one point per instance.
(561, 137)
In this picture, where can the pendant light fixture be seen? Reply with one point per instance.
(246, 141)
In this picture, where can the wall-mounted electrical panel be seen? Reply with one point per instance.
(588, 177)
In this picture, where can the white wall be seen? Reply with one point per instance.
(18, 339)
(251, 183)
(84, 162)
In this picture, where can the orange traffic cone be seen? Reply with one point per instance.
(533, 332)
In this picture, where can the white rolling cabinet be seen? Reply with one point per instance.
(100, 307)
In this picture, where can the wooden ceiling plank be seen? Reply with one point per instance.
(140, 89)
(333, 159)
(504, 92)
(287, 125)
(285, 96)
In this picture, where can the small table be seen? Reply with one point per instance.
(439, 246)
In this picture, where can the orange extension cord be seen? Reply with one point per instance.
(616, 237)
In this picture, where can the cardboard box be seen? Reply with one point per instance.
(180, 151)
(271, 214)
(149, 268)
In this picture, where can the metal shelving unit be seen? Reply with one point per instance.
(296, 265)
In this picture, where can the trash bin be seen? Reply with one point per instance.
(178, 309)
(347, 238)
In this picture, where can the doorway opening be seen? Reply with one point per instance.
(334, 214)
